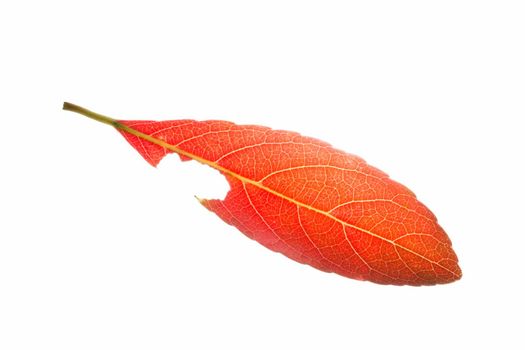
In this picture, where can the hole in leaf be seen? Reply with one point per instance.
(205, 182)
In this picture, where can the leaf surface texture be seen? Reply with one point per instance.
(309, 201)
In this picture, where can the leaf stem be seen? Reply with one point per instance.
(90, 114)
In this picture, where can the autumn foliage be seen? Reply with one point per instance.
(301, 197)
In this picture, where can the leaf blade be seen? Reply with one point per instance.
(246, 175)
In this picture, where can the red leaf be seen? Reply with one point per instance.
(299, 196)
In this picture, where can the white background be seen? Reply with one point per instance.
(98, 250)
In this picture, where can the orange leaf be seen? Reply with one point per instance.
(301, 197)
